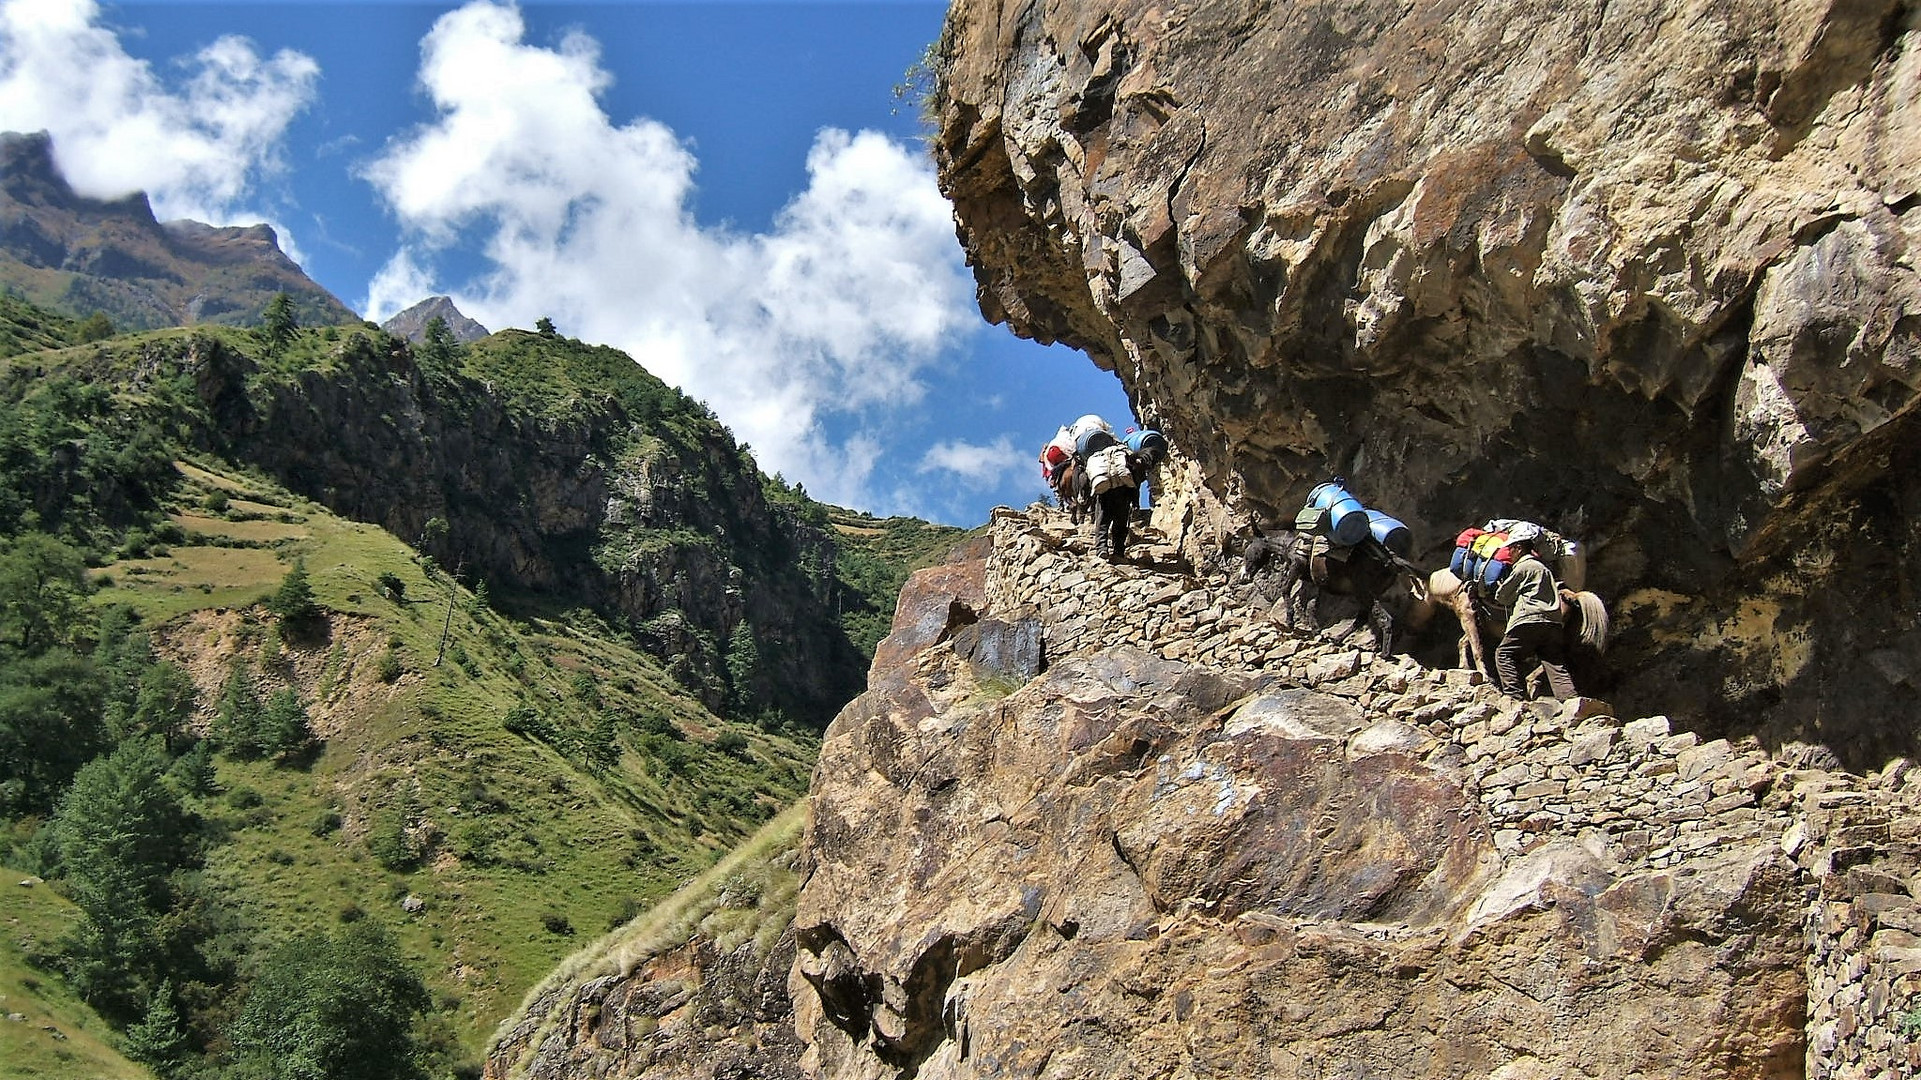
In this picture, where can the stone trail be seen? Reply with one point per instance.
(1636, 794)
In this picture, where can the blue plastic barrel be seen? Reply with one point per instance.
(1457, 565)
(1390, 532)
(1091, 441)
(1147, 441)
(1346, 517)
(1491, 571)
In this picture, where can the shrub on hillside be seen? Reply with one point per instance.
(387, 666)
(340, 1005)
(525, 720)
(294, 600)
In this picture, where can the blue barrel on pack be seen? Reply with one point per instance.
(1457, 565)
(1390, 532)
(1093, 440)
(1346, 517)
(1148, 443)
(1491, 571)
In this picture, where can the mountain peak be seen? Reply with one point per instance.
(77, 255)
(30, 174)
(412, 323)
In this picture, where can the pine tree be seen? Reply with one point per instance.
(158, 1040)
(438, 346)
(192, 773)
(283, 730)
(118, 834)
(278, 323)
(334, 1008)
(165, 700)
(95, 327)
(50, 708)
(294, 601)
(743, 665)
(42, 584)
(237, 722)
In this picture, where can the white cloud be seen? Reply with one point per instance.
(979, 467)
(396, 287)
(196, 149)
(820, 324)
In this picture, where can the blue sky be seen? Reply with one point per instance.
(729, 191)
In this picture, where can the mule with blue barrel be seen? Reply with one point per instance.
(1338, 545)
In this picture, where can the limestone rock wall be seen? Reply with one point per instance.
(1171, 840)
(691, 1013)
(1642, 270)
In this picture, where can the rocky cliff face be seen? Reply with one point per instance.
(1640, 270)
(624, 499)
(1112, 821)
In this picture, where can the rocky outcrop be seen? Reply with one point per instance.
(1168, 838)
(694, 989)
(690, 1013)
(412, 323)
(1642, 271)
(78, 255)
(633, 504)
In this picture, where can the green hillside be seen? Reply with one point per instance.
(56, 1034)
(340, 766)
(877, 555)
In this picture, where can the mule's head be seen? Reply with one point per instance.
(1567, 557)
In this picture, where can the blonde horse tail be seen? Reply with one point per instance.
(1594, 621)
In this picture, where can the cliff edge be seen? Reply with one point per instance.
(1096, 820)
(1640, 270)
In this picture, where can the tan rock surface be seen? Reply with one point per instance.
(1642, 270)
(1135, 866)
(1186, 845)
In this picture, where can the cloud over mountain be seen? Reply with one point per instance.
(197, 148)
(801, 336)
(819, 337)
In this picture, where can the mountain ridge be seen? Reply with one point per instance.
(412, 323)
(79, 256)
(477, 732)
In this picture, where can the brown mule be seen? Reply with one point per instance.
(1367, 573)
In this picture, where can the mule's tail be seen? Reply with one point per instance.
(1594, 621)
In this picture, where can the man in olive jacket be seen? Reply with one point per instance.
(1533, 600)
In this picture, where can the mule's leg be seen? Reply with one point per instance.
(1383, 622)
(1310, 601)
(1471, 645)
(1290, 576)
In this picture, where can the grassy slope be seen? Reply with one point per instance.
(885, 549)
(529, 846)
(749, 895)
(57, 1035)
(566, 844)
(25, 328)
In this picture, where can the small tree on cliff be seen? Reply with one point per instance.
(95, 327)
(438, 346)
(294, 601)
(278, 323)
